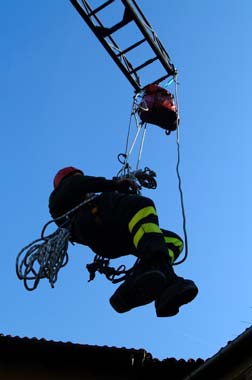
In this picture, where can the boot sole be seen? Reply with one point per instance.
(168, 304)
(142, 290)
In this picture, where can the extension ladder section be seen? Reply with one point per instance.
(131, 14)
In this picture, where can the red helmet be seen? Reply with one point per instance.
(63, 173)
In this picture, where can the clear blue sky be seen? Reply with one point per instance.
(65, 102)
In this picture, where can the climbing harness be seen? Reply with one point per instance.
(101, 265)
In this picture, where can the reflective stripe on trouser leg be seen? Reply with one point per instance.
(141, 214)
(145, 221)
(171, 255)
(175, 246)
(146, 228)
(147, 236)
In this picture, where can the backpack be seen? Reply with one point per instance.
(157, 107)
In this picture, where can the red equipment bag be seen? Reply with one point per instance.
(157, 107)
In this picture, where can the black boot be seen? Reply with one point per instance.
(145, 283)
(176, 294)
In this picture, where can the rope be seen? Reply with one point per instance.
(179, 179)
(123, 158)
(43, 260)
(44, 257)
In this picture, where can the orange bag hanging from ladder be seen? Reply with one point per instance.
(157, 107)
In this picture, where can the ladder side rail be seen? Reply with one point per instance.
(162, 54)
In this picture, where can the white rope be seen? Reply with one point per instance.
(43, 258)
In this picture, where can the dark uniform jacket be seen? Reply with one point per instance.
(98, 224)
(73, 190)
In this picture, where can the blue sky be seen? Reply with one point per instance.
(65, 102)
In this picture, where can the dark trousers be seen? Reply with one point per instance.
(117, 224)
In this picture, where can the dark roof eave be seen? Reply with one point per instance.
(67, 355)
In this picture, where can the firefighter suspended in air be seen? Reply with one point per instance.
(119, 222)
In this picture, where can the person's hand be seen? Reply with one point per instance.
(126, 185)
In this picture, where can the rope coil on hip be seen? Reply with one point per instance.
(44, 257)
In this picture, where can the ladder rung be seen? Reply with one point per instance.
(143, 65)
(98, 9)
(131, 47)
(157, 81)
(125, 20)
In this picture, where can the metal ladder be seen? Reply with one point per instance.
(132, 14)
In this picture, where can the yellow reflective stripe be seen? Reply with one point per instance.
(174, 241)
(140, 215)
(145, 228)
(171, 255)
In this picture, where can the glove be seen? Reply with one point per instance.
(126, 185)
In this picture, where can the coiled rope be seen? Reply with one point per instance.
(44, 257)
(43, 260)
